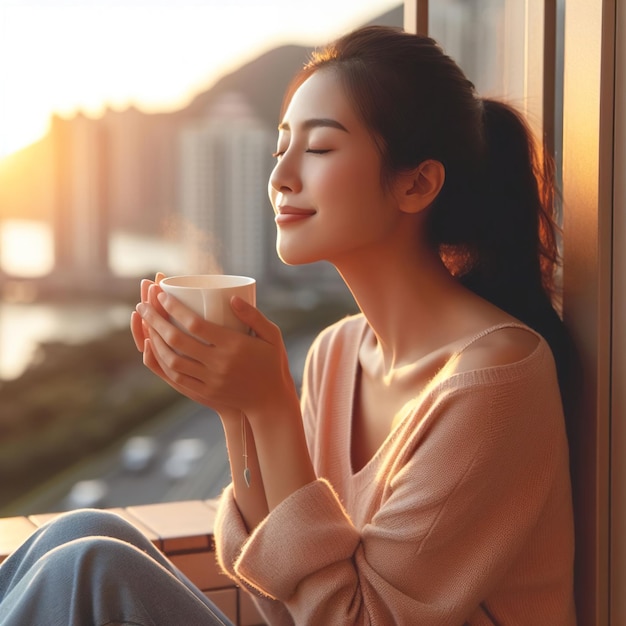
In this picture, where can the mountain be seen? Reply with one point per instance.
(263, 81)
(136, 151)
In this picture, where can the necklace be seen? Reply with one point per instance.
(244, 445)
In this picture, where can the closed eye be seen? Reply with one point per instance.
(280, 153)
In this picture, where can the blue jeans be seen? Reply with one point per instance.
(91, 568)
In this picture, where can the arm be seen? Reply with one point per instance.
(234, 374)
(482, 472)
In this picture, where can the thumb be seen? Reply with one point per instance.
(258, 323)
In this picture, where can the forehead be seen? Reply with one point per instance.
(322, 96)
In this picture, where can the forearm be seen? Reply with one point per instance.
(281, 452)
(276, 455)
(250, 499)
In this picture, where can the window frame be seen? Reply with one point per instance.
(583, 85)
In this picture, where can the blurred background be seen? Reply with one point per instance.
(136, 137)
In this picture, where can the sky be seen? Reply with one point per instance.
(68, 55)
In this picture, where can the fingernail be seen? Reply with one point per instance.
(238, 303)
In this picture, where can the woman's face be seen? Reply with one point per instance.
(326, 187)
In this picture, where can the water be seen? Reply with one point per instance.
(23, 326)
(26, 249)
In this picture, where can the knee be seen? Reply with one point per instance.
(96, 553)
(86, 523)
(95, 567)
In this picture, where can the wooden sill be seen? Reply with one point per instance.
(181, 530)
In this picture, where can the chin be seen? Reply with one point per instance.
(290, 256)
(295, 260)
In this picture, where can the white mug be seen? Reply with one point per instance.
(209, 295)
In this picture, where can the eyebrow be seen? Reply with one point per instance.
(322, 122)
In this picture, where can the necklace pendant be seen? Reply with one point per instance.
(246, 476)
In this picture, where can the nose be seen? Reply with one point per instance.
(285, 176)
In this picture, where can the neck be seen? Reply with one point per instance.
(406, 297)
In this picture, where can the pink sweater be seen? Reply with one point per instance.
(463, 516)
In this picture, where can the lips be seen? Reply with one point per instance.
(290, 214)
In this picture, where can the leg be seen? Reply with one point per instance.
(91, 567)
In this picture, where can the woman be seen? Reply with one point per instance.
(422, 477)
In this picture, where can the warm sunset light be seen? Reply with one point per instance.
(60, 56)
(26, 249)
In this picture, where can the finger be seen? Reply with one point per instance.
(152, 362)
(137, 330)
(153, 291)
(158, 324)
(258, 323)
(145, 285)
(193, 390)
(194, 324)
(183, 372)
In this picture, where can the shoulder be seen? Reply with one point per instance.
(335, 346)
(499, 346)
(345, 332)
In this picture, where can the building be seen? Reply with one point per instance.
(80, 198)
(225, 214)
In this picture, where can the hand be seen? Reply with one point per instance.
(138, 328)
(216, 366)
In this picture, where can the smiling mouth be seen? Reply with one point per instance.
(288, 215)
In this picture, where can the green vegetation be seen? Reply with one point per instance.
(76, 400)
(73, 401)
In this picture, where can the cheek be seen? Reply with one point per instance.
(337, 186)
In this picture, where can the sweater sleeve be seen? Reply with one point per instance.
(484, 468)
(230, 530)
(231, 534)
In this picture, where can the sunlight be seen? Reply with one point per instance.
(64, 57)
(26, 248)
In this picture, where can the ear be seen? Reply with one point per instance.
(419, 187)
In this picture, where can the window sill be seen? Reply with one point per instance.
(181, 530)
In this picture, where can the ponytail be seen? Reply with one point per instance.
(514, 249)
(513, 232)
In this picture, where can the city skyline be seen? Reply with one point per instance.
(92, 176)
(151, 55)
(197, 175)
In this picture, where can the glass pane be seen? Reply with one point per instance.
(488, 39)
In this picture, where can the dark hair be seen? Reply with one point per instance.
(492, 222)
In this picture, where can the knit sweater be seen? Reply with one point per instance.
(462, 516)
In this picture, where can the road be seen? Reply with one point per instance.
(186, 420)
(209, 476)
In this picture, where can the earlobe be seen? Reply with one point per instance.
(423, 186)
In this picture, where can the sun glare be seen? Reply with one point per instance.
(65, 57)
(24, 128)
(26, 248)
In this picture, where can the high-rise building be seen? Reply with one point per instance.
(80, 216)
(225, 161)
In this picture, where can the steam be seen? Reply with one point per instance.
(201, 249)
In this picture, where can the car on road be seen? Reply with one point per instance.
(182, 457)
(138, 453)
(86, 494)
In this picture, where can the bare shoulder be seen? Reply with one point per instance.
(503, 346)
